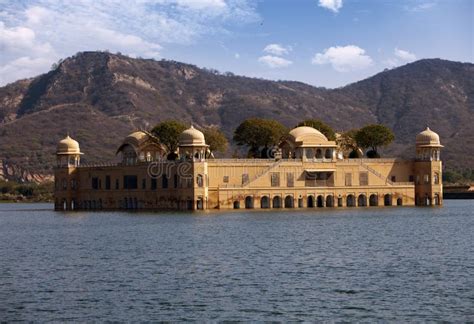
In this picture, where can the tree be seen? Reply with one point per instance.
(215, 139)
(347, 143)
(374, 136)
(168, 133)
(320, 126)
(258, 133)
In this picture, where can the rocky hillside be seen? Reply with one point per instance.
(100, 97)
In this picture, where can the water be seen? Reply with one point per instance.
(393, 264)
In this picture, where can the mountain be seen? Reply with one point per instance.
(100, 97)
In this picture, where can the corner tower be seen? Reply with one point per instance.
(428, 169)
(68, 158)
(193, 149)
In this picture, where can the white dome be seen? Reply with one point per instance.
(68, 146)
(135, 138)
(307, 135)
(427, 138)
(192, 137)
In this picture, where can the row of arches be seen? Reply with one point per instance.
(318, 201)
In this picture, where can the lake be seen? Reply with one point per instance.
(360, 264)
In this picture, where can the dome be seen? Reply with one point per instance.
(135, 138)
(427, 138)
(192, 137)
(307, 135)
(68, 146)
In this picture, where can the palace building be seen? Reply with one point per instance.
(306, 171)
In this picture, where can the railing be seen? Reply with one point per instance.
(373, 171)
(262, 173)
(99, 164)
(386, 160)
(408, 183)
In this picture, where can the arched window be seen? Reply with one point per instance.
(200, 181)
(399, 202)
(362, 201)
(310, 202)
(319, 154)
(320, 201)
(248, 202)
(236, 204)
(328, 154)
(350, 201)
(436, 178)
(289, 201)
(276, 202)
(330, 201)
(373, 200)
(264, 202)
(387, 200)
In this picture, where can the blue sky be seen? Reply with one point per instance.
(326, 43)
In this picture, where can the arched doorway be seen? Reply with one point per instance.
(437, 200)
(399, 202)
(264, 202)
(300, 202)
(373, 200)
(288, 201)
(248, 202)
(236, 204)
(387, 200)
(362, 201)
(350, 201)
(199, 204)
(276, 202)
(320, 201)
(310, 202)
(330, 201)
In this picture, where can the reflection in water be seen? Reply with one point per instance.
(385, 264)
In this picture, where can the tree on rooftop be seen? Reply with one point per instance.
(347, 143)
(168, 133)
(216, 139)
(259, 135)
(372, 137)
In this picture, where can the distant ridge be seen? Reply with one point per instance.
(100, 97)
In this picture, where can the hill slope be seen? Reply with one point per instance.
(100, 97)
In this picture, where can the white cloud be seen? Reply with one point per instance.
(277, 49)
(391, 62)
(201, 4)
(420, 7)
(22, 68)
(45, 30)
(274, 61)
(404, 55)
(344, 58)
(333, 5)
